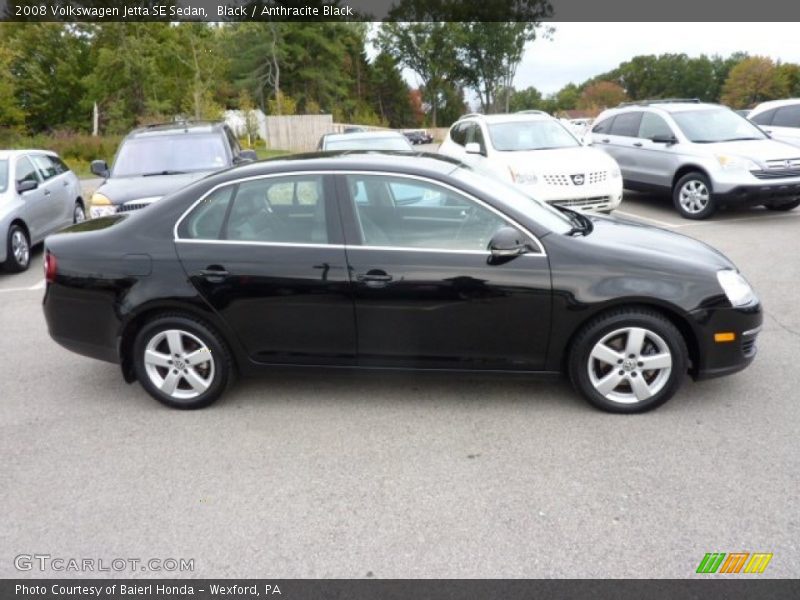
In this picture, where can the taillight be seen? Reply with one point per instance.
(50, 267)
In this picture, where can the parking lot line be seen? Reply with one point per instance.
(761, 217)
(36, 286)
(652, 220)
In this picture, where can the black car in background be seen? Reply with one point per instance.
(158, 159)
(418, 136)
(392, 261)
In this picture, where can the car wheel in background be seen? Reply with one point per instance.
(18, 250)
(783, 206)
(78, 213)
(182, 362)
(628, 361)
(692, 196)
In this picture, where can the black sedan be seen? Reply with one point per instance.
(392, 261)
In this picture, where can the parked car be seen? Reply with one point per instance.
(313, 261)
(417, 136)
(39, 194)
(158, 159)
(371, 140)
(537, 153)
(704, 155)
(780, 119)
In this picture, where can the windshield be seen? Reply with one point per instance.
(543, 214)
(516, 136)
(384, 143)
(169, 154)
(719, 125)
(3, 175)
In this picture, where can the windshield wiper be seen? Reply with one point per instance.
(741, 139)
(581, 225)
(166, 172)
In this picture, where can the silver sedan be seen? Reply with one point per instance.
(38, 196)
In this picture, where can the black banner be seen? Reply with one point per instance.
(397, 10)
(375, 589)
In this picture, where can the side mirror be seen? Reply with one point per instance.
(508, 242)
(26, 185)
(99, 168)
(247, 155)
(664, 139)
(473, 148)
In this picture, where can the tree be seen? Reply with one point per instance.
(196, 47)
(247, 108)
(751, 81)
(390, 92)
(428, 49)
(11, 114)
(528, 99)
(601, 94)
(488, 57)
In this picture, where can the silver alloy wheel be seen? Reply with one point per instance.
(78, 216)
(20, 248)
(630, 365)
(179, 364)
(694, 196)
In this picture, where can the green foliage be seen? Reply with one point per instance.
(528, 99)
(755, 80)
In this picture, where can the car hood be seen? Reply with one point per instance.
(644, 247)
(758, 150)
(562, 160)
(124, 189)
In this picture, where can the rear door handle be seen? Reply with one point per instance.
(638, 144)
(214, 273)
(47, 192)
(605, 140)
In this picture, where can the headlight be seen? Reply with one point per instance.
(101, 206)
(523, 178)
(736, 288)
(736, 163)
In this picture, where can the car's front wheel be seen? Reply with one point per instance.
(783, 206)
(78, 213)
(692, 196)
(628, 361)
(182, 362)
(18, 250)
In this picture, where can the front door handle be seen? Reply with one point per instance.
(605, 140)
(214, 273)
(374, 278)
(638, 144)
(47, 192)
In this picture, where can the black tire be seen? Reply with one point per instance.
(783, 206)
(78, 212)
(700, 206)
(16, 262)
(607, 327)
(218, 372)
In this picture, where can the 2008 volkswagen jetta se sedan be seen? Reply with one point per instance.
(397, 262)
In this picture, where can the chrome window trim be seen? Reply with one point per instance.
(499, 213)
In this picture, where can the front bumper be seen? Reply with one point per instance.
(719, 358)
(759, 193)
(589, 198)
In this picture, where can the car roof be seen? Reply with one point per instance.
(670, 106)
(6, 154)
(420, 163)
(179, 127)
(507, 117)
(776, 104)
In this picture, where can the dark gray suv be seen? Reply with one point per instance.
(159, 159)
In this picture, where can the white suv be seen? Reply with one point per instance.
(539, 155)
(780, 119)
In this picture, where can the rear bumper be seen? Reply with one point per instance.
(717, 359)
(759, 193)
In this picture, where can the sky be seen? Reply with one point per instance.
(578, 51)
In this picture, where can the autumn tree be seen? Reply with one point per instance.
(753, 80)
(601, 94)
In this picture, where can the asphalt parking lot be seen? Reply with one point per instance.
(350, 475)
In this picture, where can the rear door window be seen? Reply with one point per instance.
(603, 126)
(787, 116)
(627, 124)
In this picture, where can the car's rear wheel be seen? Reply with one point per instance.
(78, 213)
(182, 362)
(783, 206)
(692, 196)
(18, 250)
(628, 361)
